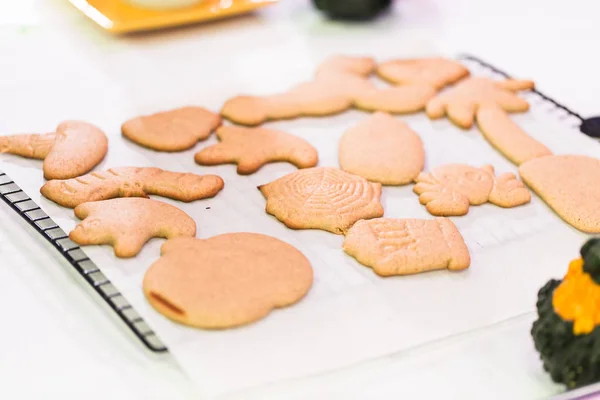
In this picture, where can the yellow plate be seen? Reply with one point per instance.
(119, 16)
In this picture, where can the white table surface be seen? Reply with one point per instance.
(57, 339)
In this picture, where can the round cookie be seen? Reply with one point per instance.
(382, 149)
(227, 280)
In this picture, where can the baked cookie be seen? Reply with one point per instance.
(314, 98)
(227, 280)
(73, 150)
(436, 72)
(322, 198)
(251, 148)
(382, 149)
(407, 246)
(396, 100)
(128, 223)
(449, 190)
(460, 102)
(569, 185)
(173, 130)
(341, 64)
(507, 137)
(131, 182)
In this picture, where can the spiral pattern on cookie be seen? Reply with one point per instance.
(322, 198)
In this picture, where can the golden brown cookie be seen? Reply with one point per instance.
(172, 130)
(73, 150)
(128, 223)
(131, 182)
(395, 100)
(227, 280)
(569, 185)
(341, 64)
(313, 98)
(407, 246)
(449, 190)
(461, 102)
(382, 149)
(322, 198)
(436, 72)
(507, 137)
(251, 148)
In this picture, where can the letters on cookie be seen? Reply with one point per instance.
(407, 246)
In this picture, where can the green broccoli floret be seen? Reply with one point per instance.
(573, 360)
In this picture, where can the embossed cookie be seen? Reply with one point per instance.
(227, 280)
(128, 223)
(74, 149)
(382, 149)
(436, 72)
(449, 190)
(322, 198)
(131, 182)
(507, 137)
(172, 130)
(569, 185)
(342, 64)
(396, 100)
(407, 246)
(251, 148)
(460, 102)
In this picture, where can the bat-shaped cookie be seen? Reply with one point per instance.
(128, 223)
(251, 148)
(131, 182)
(73, 150)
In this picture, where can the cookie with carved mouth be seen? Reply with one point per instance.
(128, 223)
(226, 281)
(74, 149)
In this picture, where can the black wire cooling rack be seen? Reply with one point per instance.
(20, 202)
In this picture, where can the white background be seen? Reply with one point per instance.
(55, 337)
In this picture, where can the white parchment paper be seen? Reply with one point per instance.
(350, 315)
